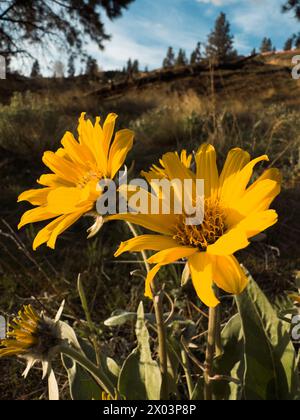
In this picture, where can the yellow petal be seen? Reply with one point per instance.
(108, 130)
(238, 184)
(168, 256)
(75, 151)
(99, 149)
(202, 276)
(121, 146)
(66, 200)
(175, 169)
(64, 224)
(229, 243)
(273, 174)
(258, 222)
(149, 280)
(256, 199)
(35, 197)
(229, 275)
(62, 167)
(52, 180)
(236, 160)
(37, 214)
(157, 223)
(146, 242)
(86, 137)
(206, 162)
(44, 234)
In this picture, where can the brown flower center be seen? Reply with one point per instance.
(207, 233)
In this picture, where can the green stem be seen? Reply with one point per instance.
(162, 343)
(161, 330)
(100, 377)
(213, 328)
(187, 371)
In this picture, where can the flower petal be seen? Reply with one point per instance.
(206, 162)
(229, 275)
(236, 160)
(108, 130)
(202, 276)
(36, 197)
(231, 242)
(157, 223)
(168, 256)
(38, 214)
(238, 184)
(44, 234)
(256, 199)
(146, 242)
(122, 144)
(62, 167)
(64, 224)
(149, 280)
(258, 222)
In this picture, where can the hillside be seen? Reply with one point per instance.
(268, 76)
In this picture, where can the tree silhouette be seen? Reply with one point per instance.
(91, 69)
(71, 66)
(169, 61)
(297, 41)
(289, 44)
(68, 23)
(36, 70)
(266, 45)
(129, 68)
(135, 66)
(181, 59)
(196, 55)
(220, 42)
(292, 5)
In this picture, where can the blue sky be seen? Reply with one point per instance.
(150, 26)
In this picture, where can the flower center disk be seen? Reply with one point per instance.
(206, 233)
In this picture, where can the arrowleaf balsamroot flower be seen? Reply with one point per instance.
(234, 212)
(34, 338)
(72, 190)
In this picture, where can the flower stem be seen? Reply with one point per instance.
(213, 328)
(162, 343)
(187, 371)
(160, 324)
(99, 376)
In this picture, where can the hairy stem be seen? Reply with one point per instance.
(212, 338)
(160, 324)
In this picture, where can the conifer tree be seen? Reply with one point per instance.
(196, 55)
(169, 61)
(35, 71)
(220, 42)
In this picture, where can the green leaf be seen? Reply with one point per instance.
(82, 385)
(270, 359)
(119, 318)
(140, 377)
(231, 362)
